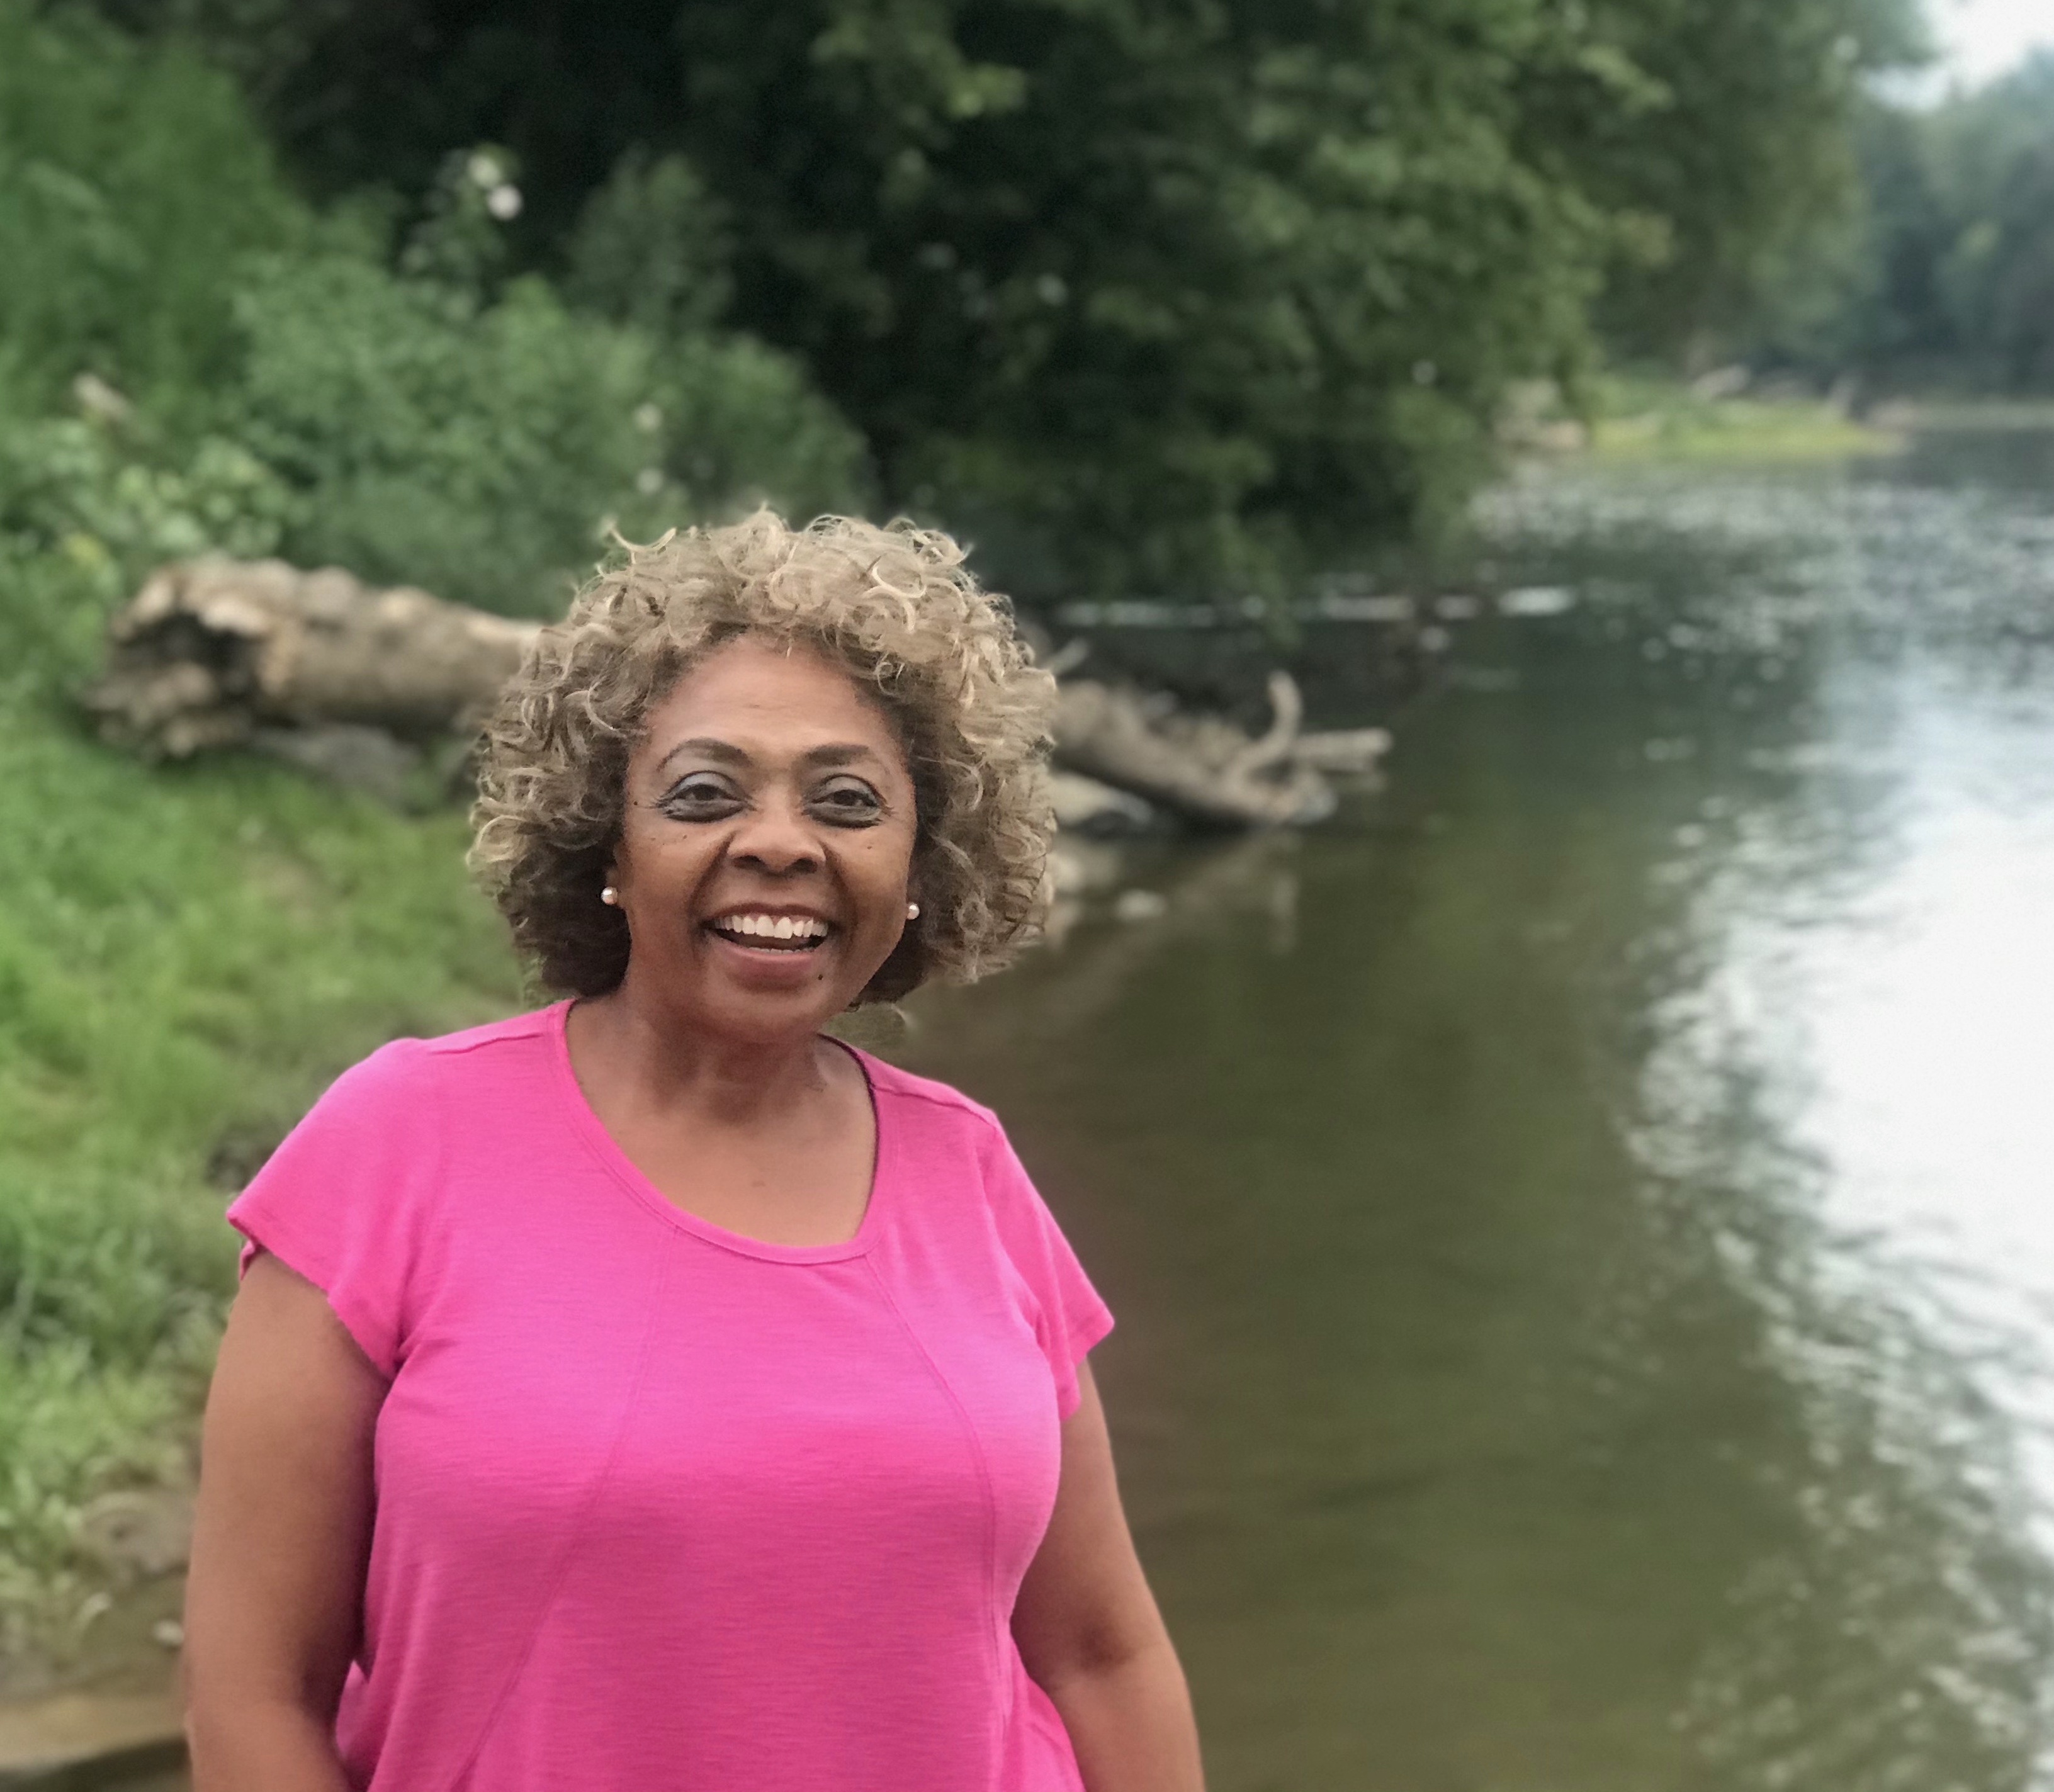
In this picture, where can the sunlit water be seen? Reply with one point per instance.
(1581, 1222)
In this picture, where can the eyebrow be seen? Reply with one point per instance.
(725, 752)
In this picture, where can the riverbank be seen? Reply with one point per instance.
(191, 950)
(1723, 418)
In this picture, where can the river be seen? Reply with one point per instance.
(1581, 1220)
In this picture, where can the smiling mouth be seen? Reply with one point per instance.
(771, 932)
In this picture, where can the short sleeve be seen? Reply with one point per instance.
(1070, 1317)
(340, 1201)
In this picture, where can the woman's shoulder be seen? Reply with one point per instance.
(926, 1105)
(358, 1197)
(941, 1136)
(954, 1143)
(411, 1076)
(529, 1037)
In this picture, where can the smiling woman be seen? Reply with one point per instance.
(651, 1391)
(895, 610)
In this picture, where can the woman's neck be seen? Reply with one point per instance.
(660, 1060)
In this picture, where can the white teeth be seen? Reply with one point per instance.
(774, 927)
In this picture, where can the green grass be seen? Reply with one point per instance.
(1644, 419)
(1640, 417)
(187, 953)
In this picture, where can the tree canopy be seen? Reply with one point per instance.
(1143, 294)
(1956, 284)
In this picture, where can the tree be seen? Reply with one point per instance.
(1992, 161)
(1952, 283)
(1166, 294)
(128, 183)
(1739, 156)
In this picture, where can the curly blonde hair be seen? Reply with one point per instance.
(897, 609)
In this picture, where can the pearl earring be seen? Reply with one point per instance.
(912, 911)
(609, 895)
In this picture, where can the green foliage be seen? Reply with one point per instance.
(129, 181)
(289, 386)
(1948, 281)
(85, 488)
(651, 248)
(1211, 301)
(1155, 301)
(86, 508)
(474, 449)
(1139, 296)
(1733, 147)
(1988, 169)
(481, 449)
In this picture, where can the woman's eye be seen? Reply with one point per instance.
(848, 800)
(697, 796)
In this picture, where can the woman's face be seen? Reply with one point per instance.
(766, 844)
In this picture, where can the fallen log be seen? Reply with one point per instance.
(217, 653)
(1343, 752)
(1201, 767)
(211, 652)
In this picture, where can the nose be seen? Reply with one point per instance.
(776, 838)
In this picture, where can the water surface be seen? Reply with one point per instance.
(1579, 1222)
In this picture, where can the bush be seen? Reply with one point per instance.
(472, 450)
(131, 183)
(86, 509)
(483, 448)
(262, 379)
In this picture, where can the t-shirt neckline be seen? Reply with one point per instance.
(621, 1168)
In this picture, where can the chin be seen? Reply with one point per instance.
(768, 1017)
(764, 1003)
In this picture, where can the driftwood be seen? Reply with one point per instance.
(210, 653)
(216, 652)
(1202, 766)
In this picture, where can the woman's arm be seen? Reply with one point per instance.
(280, 1542)
(1091, 1636)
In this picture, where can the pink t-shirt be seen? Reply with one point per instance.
(664, 1509)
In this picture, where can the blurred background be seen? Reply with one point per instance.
(1577, 1200)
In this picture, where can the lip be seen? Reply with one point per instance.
(767, 969)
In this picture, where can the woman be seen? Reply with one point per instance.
(649, 1393)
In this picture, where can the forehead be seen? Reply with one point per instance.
(761, 694)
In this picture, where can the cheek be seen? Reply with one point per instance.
(883, 872)
(662, 860)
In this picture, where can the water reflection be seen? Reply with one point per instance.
(1575, 1222)
(1852, 1065)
